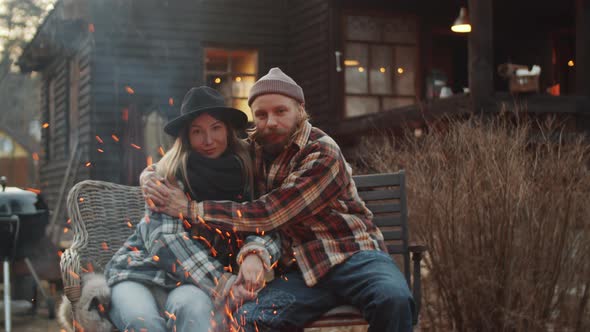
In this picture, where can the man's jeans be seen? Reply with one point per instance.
(369, 280)
(134, 308)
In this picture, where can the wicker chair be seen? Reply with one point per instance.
(103, 216)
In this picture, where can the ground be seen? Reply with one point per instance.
(38, 323)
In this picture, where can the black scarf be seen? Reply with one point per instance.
(221, 178)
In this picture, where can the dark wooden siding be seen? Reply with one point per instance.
(156, 48)
(311, 55)
(53, 169)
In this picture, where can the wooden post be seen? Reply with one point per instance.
(481, 56)
(582, 59)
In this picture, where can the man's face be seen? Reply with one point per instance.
(276, 117)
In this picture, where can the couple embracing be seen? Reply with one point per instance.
(223, 213)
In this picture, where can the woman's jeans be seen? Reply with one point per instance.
(369, 280)
(134, 308)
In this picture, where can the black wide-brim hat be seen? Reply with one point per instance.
(205, 100)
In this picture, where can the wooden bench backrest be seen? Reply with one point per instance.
(385, 195)
(105, 214)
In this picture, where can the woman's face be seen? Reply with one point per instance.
(208, 136)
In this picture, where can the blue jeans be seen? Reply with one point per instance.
(369, 280)
(134, 308)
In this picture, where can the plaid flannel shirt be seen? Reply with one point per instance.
(311, 198)
(162, 252)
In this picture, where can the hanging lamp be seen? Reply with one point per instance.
(462, 24)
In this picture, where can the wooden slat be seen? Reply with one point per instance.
(384, 221)
(384, 208)
(392, 235)
(396, 249)
(377, 180)
(376, 195)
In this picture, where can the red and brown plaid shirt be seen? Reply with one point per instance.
(311, 198)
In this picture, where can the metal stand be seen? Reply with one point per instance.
(48, 299)
(7, 315)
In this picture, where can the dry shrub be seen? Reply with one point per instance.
(505, 212)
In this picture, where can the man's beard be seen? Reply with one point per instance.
(274, 148)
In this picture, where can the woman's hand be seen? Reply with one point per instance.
(251, 273)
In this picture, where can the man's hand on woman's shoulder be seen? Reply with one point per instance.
(154, 192)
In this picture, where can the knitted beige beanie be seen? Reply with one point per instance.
(276, 82)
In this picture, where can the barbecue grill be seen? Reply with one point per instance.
(23, 218)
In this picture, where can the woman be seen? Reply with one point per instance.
(190, 266)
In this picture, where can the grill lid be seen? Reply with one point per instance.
(21, 202)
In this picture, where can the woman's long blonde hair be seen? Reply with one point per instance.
(176, 158)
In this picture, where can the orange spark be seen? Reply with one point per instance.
(36, 191)
(173, 268)
(66, 230)
(69, 221)
(171, 101)
(213, 251)
(129, 90)
(219, 231)
(91, 27)
(135, 146)
(151, 204)
(35, 156)
(125, 115)
(59, 253)
(99, 139)
(100, 150)
(88, 164)
(104, 246)
(129, 224)
(81, 199)
(156, 258)
(45, 125)
(187, 224)
(170, 315)
(100, 308)
(239, 213)
(115, 138)
(161, 151)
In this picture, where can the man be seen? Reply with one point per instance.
(333, 253)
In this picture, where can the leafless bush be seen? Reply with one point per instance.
(505, 211)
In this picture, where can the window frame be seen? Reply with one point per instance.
(228, 72)
(369, 46)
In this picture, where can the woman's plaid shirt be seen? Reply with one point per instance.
(311, 198)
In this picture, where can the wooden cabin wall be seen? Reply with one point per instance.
(311, 55)
(156, 48)
(54, 165)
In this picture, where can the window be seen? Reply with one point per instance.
(74, 92)
(155, 141)
(232, 73)
(380, 63)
